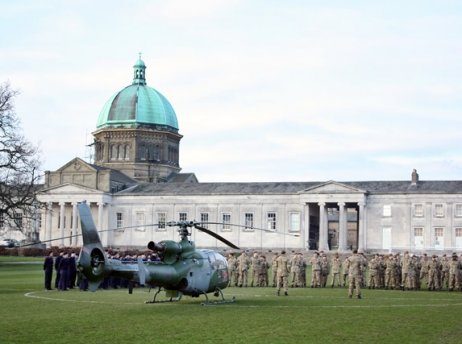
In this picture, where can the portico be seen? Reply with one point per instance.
(339, 203)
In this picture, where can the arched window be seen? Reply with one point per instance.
(127, 152)
(114, 150)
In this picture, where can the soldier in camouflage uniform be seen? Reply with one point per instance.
(232, 270)
(336, 266)
(302, 271)
(405, 270)
(355, 264)
(294, 269)
(373, 273)
(283, 269)
(315, 271)
(455, 267)
(254, 265)
(424, 269)
(263, 267)
(390, 272)
(444, 272)
(412, 273)
(243, 268)
(433, 273)
(324, 270)
(274, 269)
(345, 272)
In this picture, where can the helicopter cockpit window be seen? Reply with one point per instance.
(220, 262)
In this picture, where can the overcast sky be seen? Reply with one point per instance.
(263, 90)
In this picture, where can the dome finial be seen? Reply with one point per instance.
(139, 68)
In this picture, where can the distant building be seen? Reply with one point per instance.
(136, 181)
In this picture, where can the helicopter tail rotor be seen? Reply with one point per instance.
(92, 260)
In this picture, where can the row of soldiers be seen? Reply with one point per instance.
(393, 271)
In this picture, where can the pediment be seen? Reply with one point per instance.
(76, 165)
(70, 189)
(332, 187)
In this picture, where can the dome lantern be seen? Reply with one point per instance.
(139, 72)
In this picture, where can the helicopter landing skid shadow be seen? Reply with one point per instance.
(177, 297)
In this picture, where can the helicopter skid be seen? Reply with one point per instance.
(172, 298)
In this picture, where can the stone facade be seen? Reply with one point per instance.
(384, 216)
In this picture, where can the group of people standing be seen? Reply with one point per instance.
(393, 271)
(65, 268)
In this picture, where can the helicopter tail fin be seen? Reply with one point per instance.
(92, 260)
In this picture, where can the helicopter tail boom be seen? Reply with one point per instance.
(92, 260)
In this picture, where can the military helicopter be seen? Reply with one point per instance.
(182, 269)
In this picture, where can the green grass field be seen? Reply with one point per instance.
(29, 314)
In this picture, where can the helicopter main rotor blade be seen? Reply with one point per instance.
(216, 236)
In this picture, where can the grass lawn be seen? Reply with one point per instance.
(29, 314)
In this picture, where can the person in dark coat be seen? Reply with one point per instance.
(64, 273)
(72, 271)
(57, 263)
(48, 268)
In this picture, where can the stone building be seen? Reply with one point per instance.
(136, 181)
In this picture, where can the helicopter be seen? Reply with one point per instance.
(182, 269)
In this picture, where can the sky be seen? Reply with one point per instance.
(263, 90)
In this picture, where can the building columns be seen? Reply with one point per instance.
(74, 225)
(49, 208)
(102, 235)
(323, 232)
(342, 236)
(61, 221)
(361, 226)
(307, 226)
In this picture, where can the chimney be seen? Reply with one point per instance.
(414, 177)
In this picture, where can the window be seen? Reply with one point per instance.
(119, 220)
(2, 219)
(140, 221)
(126, 152)
(439, 238)
(439, 210)
(458, 210)
(386, 210)
(271, 221)
(458, 237)
(161, 220)
(226, 219)
(418, 210)
(18, 220)
(248, 221)
(418, 238)
(294, 222)
(204, 219)
(183, 216)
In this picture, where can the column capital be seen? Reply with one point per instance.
(341, 204)
(322, 204)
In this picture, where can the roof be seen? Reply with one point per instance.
(371, 187)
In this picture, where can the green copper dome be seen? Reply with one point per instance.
(138, 105)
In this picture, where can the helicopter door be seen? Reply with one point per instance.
(200, 273)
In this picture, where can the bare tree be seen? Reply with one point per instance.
(19, 165)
